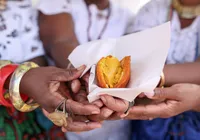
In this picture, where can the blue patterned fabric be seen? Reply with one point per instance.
(182, 127)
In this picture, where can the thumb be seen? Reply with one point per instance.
(69, 74)
(165, 93)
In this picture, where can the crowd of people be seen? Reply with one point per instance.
(38, 41)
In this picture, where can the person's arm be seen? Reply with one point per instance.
(182, 73)
(58, 36)
(41, 61)
(49, 81)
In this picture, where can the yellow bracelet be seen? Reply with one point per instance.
(4, 63)
(14, 91)
(162, 81)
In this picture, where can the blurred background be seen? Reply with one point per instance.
(133, 5)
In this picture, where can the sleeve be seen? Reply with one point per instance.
(30, 35)
(147, 17)
(54, 7)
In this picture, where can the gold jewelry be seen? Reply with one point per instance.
(187, 12)
(162, 81)
(14, 92)
(4, 63)
(131, 104)
(59, 117)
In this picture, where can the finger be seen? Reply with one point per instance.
(75, 86)
(78, 118)
(81, 127)
(115, 116)
(64, 91)
(81, 97)
(45, 112)
(98, 103)
(142, 95)
(104, 115)
(81, 109)
(63, 75)
(64, 130)
(85, 78)
(165, 93)
(54, 99)
(149, 111)
(117, 105)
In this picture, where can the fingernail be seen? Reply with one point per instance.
(123, 116)
(81, 68)
(103, 99)
(95, 112)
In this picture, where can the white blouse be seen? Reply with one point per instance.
(184, 42)
(19, 38)
(117, 24)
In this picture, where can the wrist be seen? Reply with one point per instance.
(16, 82)
(25, 80)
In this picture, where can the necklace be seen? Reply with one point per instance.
(186, 12)
(90, 24)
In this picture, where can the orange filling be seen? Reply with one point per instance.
(111, 73)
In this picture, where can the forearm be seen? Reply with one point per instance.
(60, 52)
(182, 73)
(58, 36)
(41, 61)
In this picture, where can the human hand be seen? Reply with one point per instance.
(176, 99)
(45, 86)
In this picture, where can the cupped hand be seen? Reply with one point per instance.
(175, 100)
(47, 87)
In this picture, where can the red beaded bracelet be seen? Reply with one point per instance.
(5, 72)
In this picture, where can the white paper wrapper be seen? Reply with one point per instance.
(148, 50)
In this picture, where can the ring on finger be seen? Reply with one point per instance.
(87, 121)
(131, 104)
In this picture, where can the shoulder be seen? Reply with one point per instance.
(155, 5)
(58, 6)
(152, 14)
(54, 7)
